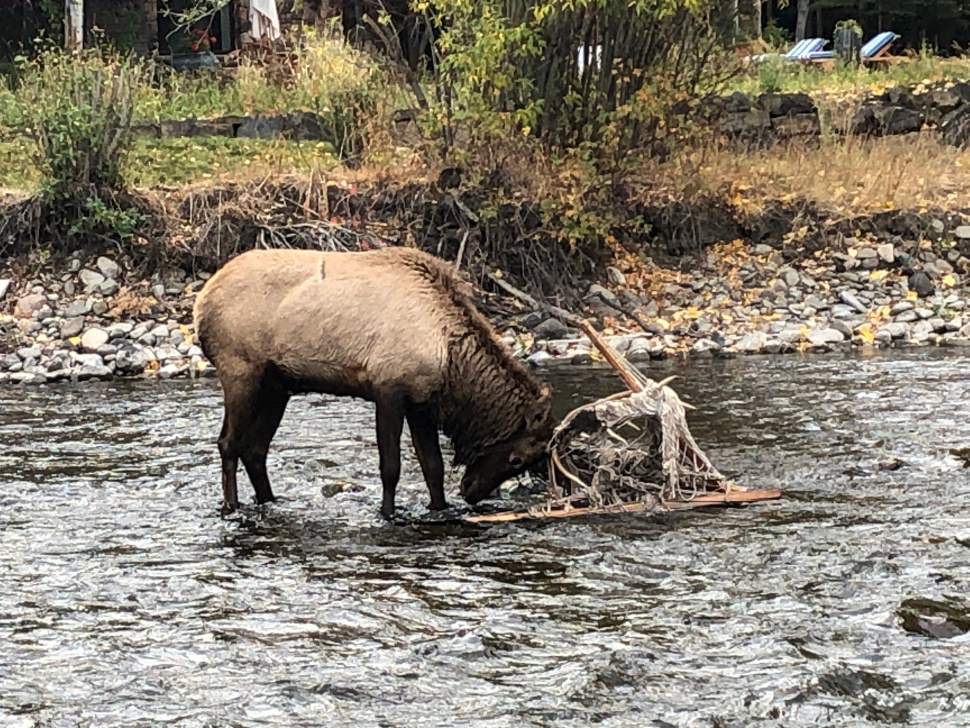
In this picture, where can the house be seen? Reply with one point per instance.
(145, 27)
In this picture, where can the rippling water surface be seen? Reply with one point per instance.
(127, 600)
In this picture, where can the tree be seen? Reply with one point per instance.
(74, 25)
(801, 23)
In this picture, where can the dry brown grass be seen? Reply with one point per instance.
(845, 175)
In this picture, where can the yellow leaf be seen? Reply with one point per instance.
(75, 340)
(911, 295)
(692, 312)
(878, 275)
(865, 333)
(948, 280)
(595, 354)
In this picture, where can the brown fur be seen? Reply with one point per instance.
(376, 325)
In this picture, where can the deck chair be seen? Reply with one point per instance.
(799, 52)
(875, 51)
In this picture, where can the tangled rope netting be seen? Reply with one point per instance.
(632, 447)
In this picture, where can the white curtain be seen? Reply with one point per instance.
(264, 19)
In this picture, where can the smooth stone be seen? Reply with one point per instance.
(539, 358)
(168, 371)
(551, 328)
(93, 338)
(850, 299)
(119, 330)
(91, 279)
(898, 330)
(72, 327)
(704, 347)
(615, 276)
(842, 327)
(921, 283)
(109, 269)
(30, 303)
(752, 343)
(5, 284)
(821, 337)
(78, 308)
(27, 378)
(816, 303)
(923, 330)
(92, 371)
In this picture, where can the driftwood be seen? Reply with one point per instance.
(629, 452)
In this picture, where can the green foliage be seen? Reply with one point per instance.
(771, 75)
(513, 67)
(99, 217)
(775, 36)
(192, 14)
(850, 24)
(77, 109)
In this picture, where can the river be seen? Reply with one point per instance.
(127, 600)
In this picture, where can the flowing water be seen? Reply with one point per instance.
(127, 600)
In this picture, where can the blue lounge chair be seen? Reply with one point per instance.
(801, 51)
(872, 52)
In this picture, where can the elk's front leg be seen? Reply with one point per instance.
(424, 436)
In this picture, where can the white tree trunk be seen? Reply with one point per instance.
(74, 25)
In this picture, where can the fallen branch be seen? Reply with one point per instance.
(629, 452)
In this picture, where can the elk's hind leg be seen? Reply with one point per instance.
(390, 424)
(268, 408)
(239, 387)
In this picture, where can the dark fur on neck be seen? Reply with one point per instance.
(487, 391)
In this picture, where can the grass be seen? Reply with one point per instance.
(321, 73)
(847, 176)
(181, 161)
(842, 82)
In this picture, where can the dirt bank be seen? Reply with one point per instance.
(702, 277)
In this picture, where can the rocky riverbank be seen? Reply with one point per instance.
(96, 319)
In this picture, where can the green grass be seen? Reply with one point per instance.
(322, 74)
(787, 77)
(184, 160)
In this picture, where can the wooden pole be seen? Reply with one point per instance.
(74, 25)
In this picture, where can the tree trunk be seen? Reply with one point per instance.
(802, 22)
(753, 31)
(74, 25)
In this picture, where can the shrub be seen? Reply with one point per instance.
(78, 110)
